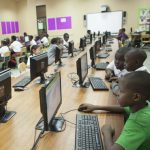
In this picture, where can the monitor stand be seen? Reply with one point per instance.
(42, 80)
(56, 125)
(6, 116)
(83, 85)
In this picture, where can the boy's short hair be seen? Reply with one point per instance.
(138, 81)
(66, 34)
(13, 37)
(53, 40)
(138, 54)
(4, 42)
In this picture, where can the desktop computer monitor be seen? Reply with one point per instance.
(38, 66)
(104, 39)
(50, 102)
(82, 43)
(91, 36)
(82, 68)
(58, 55)
(5, 95)
(71, 48)
(97, 45)
(92, 55)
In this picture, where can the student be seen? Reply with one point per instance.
(15, 46)
(32, 41)
(51, 50)
(38, 40)
(134, 93)
(122, 35)
(4, 48)
(134, 60)
(116, 67)
(66, 40)
(45, 41)
(35, 50)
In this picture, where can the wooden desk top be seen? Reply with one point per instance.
(18, 133)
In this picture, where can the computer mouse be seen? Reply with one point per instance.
(19, 89)
(81, 108)
(107, 62)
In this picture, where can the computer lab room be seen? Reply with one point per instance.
(74, 75)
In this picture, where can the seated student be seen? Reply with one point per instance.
(134, 93)
(134, 60)
(45, 41)
(116, 67)
(66, 40)
(4, 48)
(38, 40)
(51, 50)
(15, 46)
(32, 41)
(35, 50)
(122, 35)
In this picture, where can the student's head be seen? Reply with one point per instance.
(119, 57)
(66, 37)
(134, 88)
(13, 38)
(4, 43)
(134, 59)
(35, 50)
(25, 34)
(123, 30)
(54, 40)
(30, 37)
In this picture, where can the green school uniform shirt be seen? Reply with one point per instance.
(136, 132)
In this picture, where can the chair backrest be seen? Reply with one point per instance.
(6, 56)
(22, 67)
(24, 49)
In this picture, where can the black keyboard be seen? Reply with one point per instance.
(88, 136)
(101, 66)
(25, 81)
(97, 83)
(103, 55)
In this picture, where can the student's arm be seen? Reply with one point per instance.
(108, 134)
(90, 108)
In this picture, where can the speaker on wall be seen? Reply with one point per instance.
(84, 17)
(124, 14)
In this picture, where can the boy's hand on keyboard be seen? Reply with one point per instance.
(107, 129)
(86, 108)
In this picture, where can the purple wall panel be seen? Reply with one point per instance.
(64, 23)
(8, 27)
(16, 26)
(3, 26)
(51, 24)
(13, 27)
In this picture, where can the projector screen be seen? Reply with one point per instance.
(107, 21)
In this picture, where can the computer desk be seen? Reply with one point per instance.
(18, 133)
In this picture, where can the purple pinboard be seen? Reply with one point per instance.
(63, 22)
(51, 24)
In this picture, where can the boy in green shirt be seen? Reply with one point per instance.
(134, 93)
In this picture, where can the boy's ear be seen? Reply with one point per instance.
(137, 97)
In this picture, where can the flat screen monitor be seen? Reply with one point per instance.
(58, 56)
(38, 66)
(82, 68)
(50, 102)
(92, 55)
(82, 43)
(97, 45)
(5, 95)
(71, 48)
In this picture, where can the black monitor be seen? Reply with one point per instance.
(38, 66)
(92, 55)
(82, 68)
(5, 95)
(91, 38)
(71, 48)
(97, 45)
(58, 56)
(104, 39)
(82, 43)
(50, 101)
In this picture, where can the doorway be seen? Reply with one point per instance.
(41, 19)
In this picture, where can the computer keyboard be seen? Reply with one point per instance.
(103, 55)
(97, 83)
(101, 66)
(25, 81)
(88, 136)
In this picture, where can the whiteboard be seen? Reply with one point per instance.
(107, 21)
